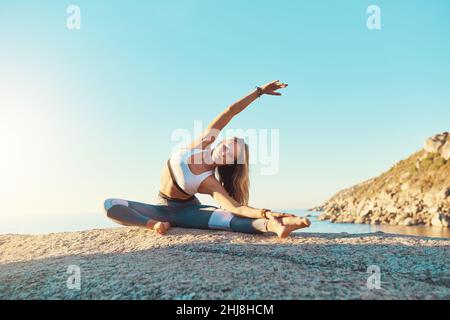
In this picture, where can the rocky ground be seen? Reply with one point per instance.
(416, 191)
(132, 263)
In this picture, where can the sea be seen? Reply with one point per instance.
(43, 224)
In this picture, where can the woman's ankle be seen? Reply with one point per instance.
(272, 226)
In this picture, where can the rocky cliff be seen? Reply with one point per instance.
(415, 191)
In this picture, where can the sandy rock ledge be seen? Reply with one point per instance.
(131, 263)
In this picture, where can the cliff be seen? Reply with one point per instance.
(415, 191)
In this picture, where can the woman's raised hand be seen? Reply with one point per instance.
(272, 87)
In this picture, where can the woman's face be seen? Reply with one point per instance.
(227, 152)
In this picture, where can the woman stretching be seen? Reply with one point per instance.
(222, 172)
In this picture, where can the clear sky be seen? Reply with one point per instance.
(88, 114)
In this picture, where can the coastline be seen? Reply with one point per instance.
(132, 263)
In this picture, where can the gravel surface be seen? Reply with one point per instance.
(185, 264)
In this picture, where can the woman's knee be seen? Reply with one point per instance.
(225, 220)
(220, 219)
(109, 203)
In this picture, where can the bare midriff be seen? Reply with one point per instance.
(168, 187)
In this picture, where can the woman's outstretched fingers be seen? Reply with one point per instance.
(271, 87)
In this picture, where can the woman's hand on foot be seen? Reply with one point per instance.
(277, 216)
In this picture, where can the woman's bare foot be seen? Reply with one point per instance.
(288, 225)
(161, 227)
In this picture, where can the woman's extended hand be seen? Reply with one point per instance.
(272, 87)
(276, 215)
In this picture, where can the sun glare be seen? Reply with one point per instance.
(25, 139)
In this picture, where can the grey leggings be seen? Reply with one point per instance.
(185, 214)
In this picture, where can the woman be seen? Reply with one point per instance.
(222, 173)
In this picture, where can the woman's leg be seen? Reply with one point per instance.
(248, 225)
(181, 215)
(122, 212)
(210, 217)
(195, 216)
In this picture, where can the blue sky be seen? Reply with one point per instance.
(88, 114)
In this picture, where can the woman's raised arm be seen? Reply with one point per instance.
(210, 134)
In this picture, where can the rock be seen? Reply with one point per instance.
(440, 220)
(189, 296)
(412, 209)
(405, 186)
(433, 211)
(418, 266)
(417, 164)
(445, 151)
(403, 216)
(364, 212)
(405, 176)
(445, 193)
(408, 222)
(332, 210)
(391, 209)
(375, 220)
(429, 198)
(436, 221)
(360, 220)
(348, 220)
(436, 142)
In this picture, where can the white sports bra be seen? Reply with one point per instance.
(182, 175)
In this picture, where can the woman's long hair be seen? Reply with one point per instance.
(235, 177)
